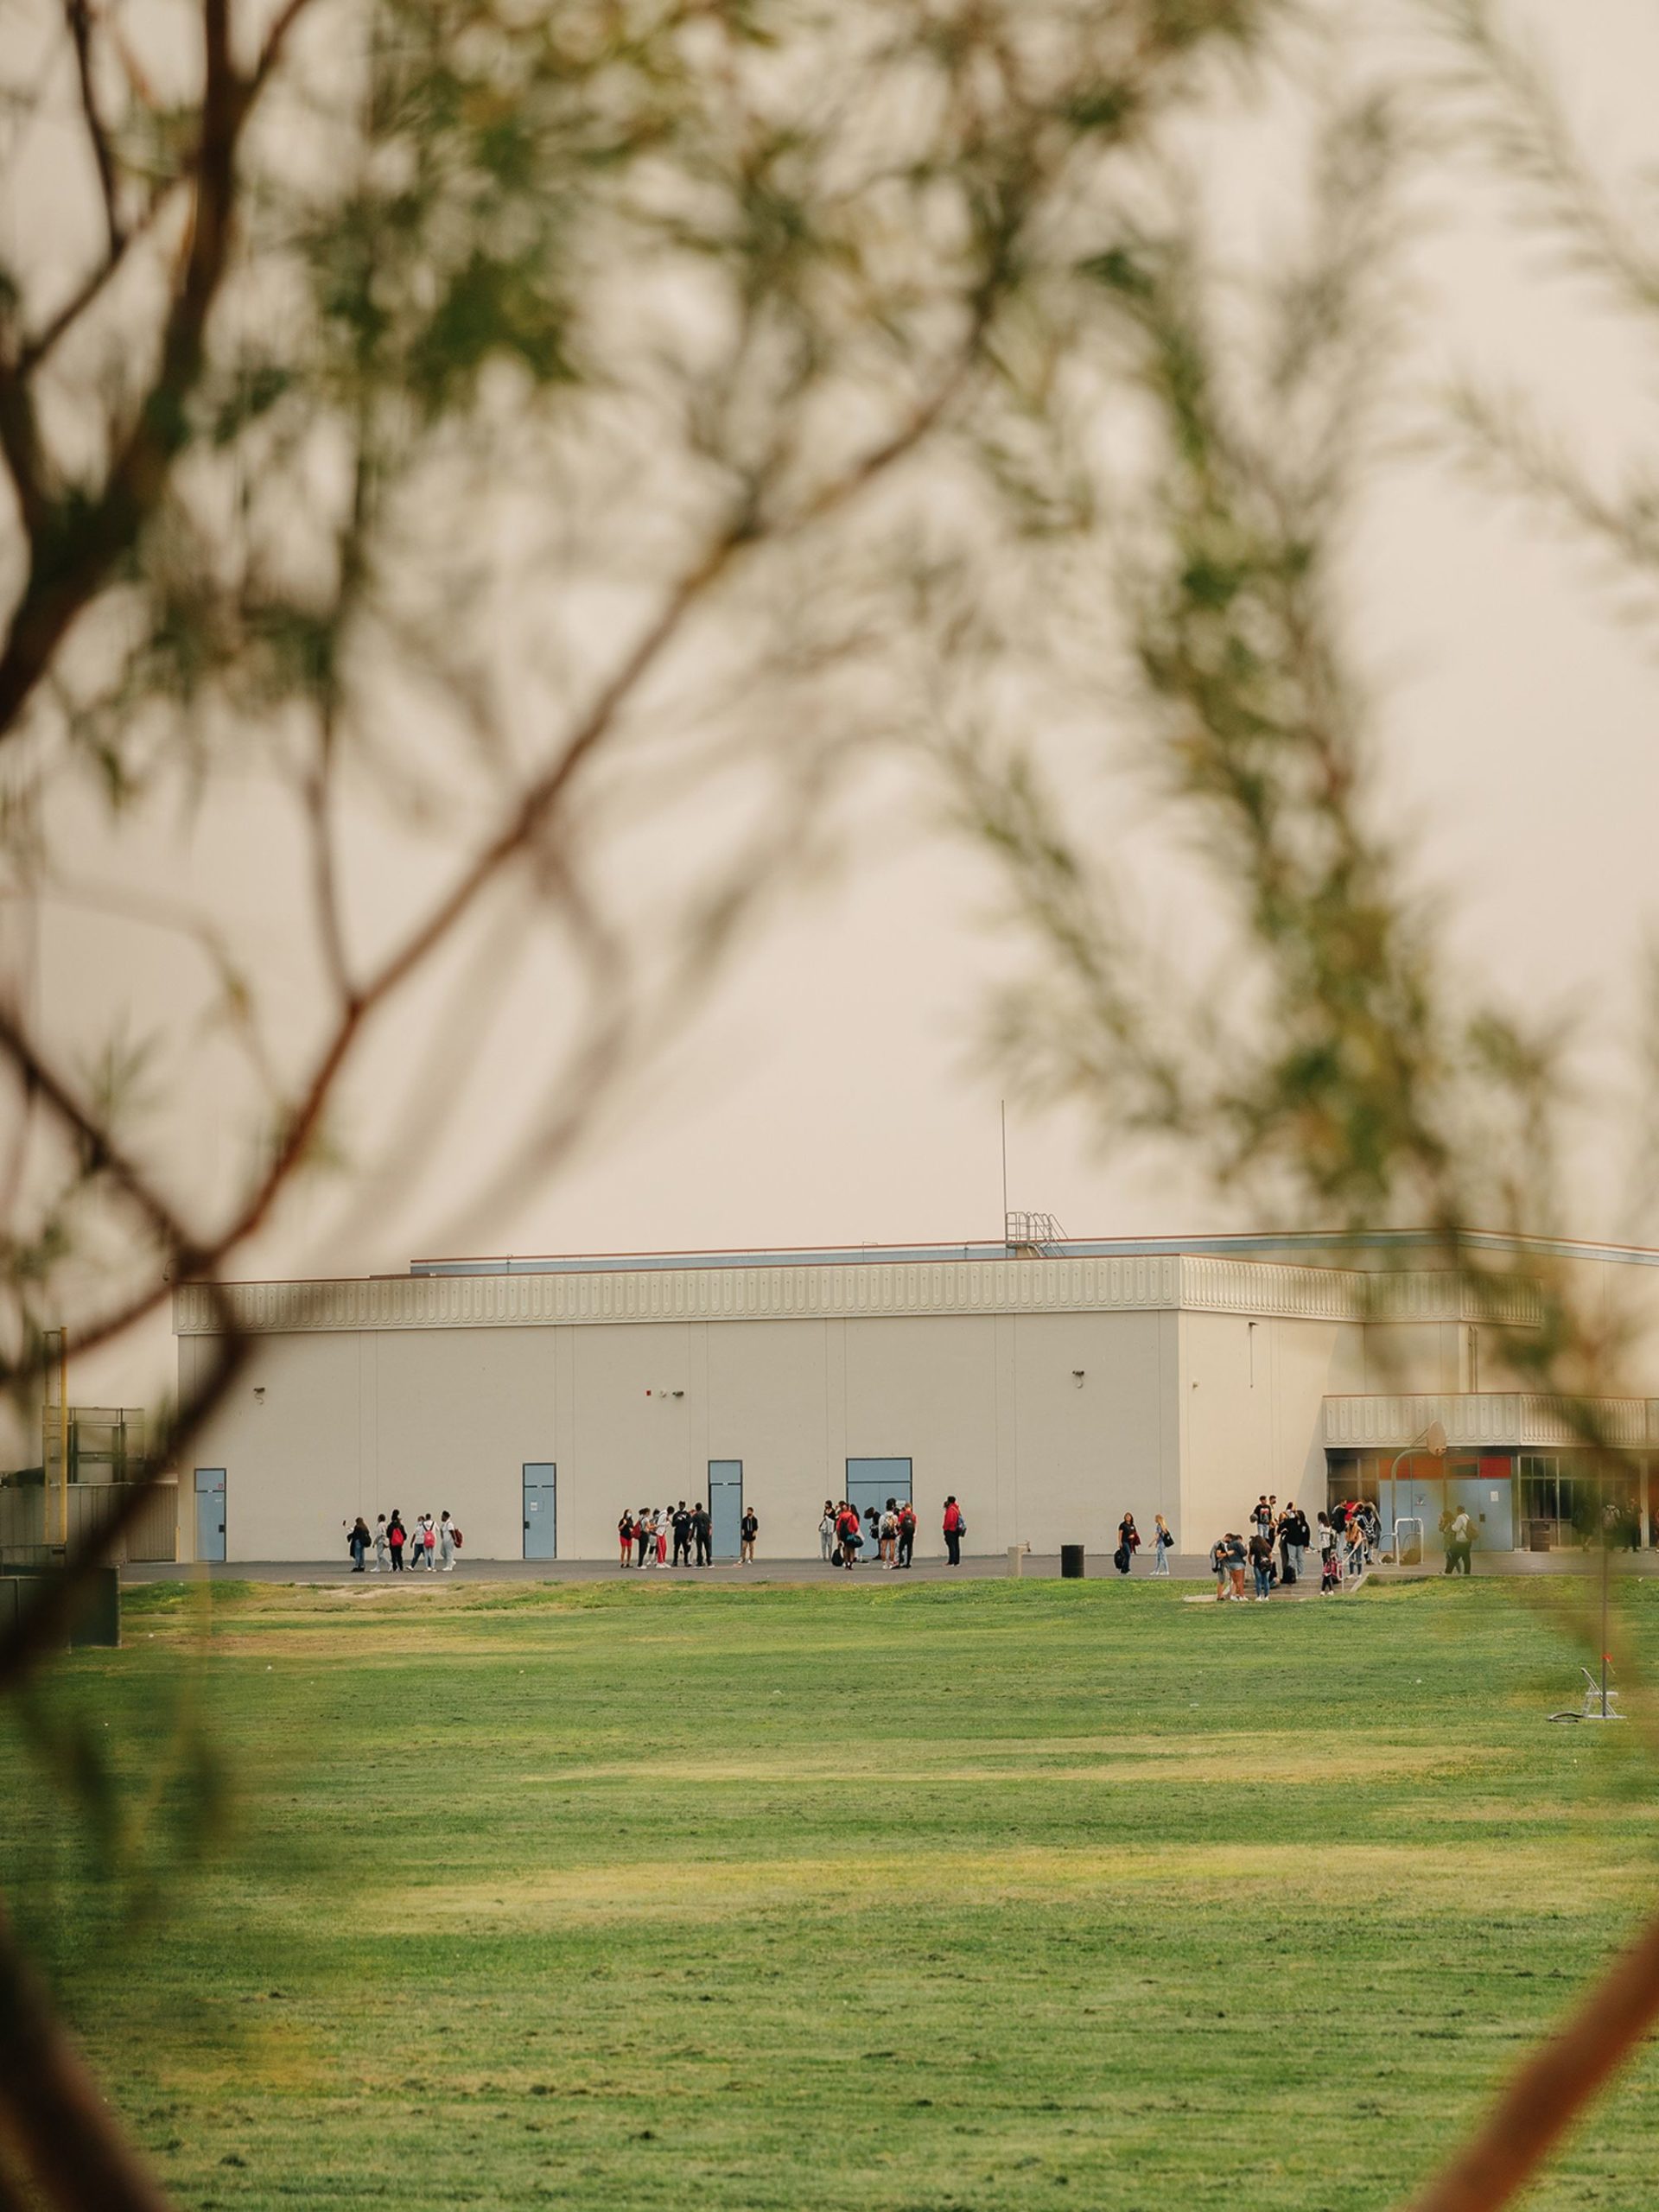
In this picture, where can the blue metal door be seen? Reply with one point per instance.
(210, 1513)
(725, 1506)
(872, 1483)
(1487, 1497)
(541, 1511)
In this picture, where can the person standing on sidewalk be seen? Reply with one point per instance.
(1128, 1542)
(701, 1528)
(906, 1532)
(955, 1529)
(1163, 1544)
(1262, 1561)
(1463, 1541)
(381, 1562)
(747, 1529)
(1294, 1537)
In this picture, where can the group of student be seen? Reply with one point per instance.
(890, 1532)
(429, 1545)
(1128, 1542)
(1275, 1552)
(645, 1535)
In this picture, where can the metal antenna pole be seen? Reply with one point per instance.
(1004, 1104)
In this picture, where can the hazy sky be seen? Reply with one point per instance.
(830, 1093)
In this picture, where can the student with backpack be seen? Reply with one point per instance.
(955, 1528)
(1218, 1567)
(907, 1534)
(380, 1567)
(449, 1542)
(358, 1544)
(1128, 1542)
(1163, 1543)
(887, 1550)
(625, 1536)
(396, 1538)
(848, 1536)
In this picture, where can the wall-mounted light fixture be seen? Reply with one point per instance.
(258, 1394)
(1076, 1376)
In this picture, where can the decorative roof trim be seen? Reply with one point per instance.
(1151, 1282)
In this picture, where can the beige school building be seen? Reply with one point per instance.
(1050, 1388)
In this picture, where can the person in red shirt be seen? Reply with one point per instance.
(906, 1532)
(955, 1527)
(849, 1533)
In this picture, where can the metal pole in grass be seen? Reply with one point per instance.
(1606, 1570)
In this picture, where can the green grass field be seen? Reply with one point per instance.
(992, 1895)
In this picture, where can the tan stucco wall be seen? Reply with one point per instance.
(1252, 1393)
(357, 1421)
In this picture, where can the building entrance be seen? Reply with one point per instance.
(725, 1507)
(872, 1483)
(541, 1511)
(210, 1513)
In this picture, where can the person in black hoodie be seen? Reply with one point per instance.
(703, 1529)
(1294, 1537)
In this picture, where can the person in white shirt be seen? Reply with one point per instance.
(446, 1543)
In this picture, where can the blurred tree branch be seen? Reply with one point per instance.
(685, 286)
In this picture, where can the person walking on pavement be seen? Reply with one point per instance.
(827, 1538)
(1163, 1544)
(380, 1547)
(1462, 1541)
(358, 1544)
(1128, 1542)
(396, 1536)
(955, 1529)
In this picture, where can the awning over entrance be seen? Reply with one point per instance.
(1481, 1420)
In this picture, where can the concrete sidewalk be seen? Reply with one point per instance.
(975, 1567)
(985, 1567)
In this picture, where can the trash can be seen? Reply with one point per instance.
(98, 1618)
(1072, 1562)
